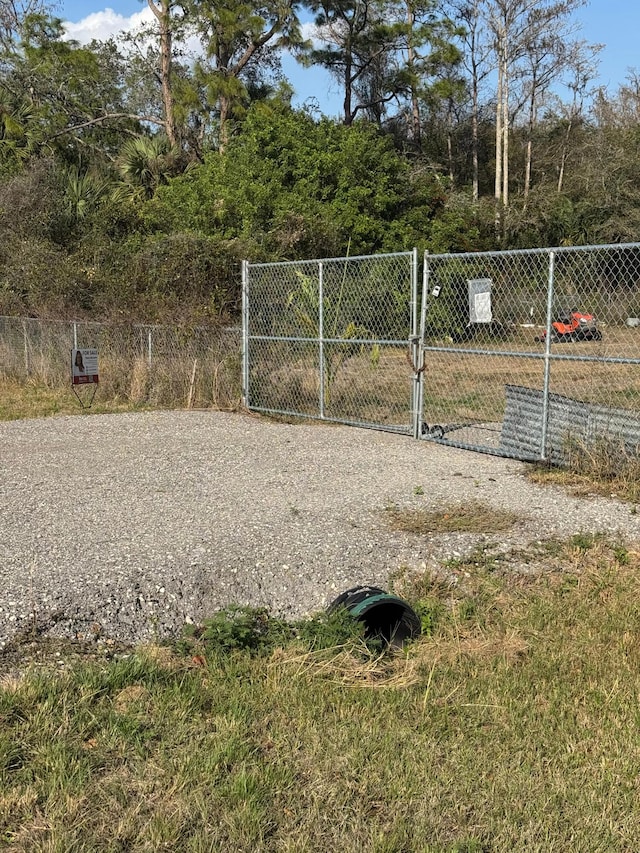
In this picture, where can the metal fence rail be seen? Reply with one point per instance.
(507, 344)
(160, 365)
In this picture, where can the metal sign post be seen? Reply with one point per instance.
(84, 372)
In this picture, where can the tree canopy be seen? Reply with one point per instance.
(134, 177)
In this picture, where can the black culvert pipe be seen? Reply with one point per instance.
(385, 617)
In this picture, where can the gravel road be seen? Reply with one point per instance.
(129, 525)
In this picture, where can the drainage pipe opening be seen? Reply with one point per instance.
(385, 617)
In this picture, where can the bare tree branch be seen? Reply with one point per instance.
(108, 117)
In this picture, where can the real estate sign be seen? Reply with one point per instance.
(84, 367)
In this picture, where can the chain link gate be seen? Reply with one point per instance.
(533, 354)
(334, 339)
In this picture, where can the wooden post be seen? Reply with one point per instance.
(25, 338)
(193, 380)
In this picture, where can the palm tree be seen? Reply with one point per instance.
(144, 164)
(83, 190)
(17, 142)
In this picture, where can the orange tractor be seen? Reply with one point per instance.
(571, 327)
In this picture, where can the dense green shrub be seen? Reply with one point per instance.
(299, 188)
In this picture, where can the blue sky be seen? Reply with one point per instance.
(99, 19)
(613, 23)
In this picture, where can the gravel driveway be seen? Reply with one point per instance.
(127, 525)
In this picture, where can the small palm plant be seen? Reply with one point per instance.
(18, 137)
(83, 191)
(304, 302)
(145, 163)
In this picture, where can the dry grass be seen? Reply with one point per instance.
(34, 399)
(466, 517)
(139, 390)
(125, 387)
(349, 666)
(605, 467)
(467, 386)
(458, 387)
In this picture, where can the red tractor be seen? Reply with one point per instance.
(574, 326)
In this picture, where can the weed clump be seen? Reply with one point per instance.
(468, 517)
(607, 466)
(254, 630)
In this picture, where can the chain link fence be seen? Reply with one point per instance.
(535, 353)
(155, 365)
(328, 339)
(532, 353)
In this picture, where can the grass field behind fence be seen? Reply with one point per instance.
(175, 368)
(126, 384)
(374, 384)
(139, 367)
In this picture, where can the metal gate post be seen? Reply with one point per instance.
(416, 351)
(321, 333)
(547, 361)
(422, 333)
(245, 334)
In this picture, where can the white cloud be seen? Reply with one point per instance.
(309, 30)
(315, 83)
(103, 25)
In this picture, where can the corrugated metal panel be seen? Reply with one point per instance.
(618, 424)
(569, 419)
(522, 425)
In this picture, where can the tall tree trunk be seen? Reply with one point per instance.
(348, 116)
(564, 155)
(505, 132)
(162, 13)
(529, 152)
(499, 141)
(477, 47)
(450, 142)
(474, 135)
(224, 106)
(415, 104)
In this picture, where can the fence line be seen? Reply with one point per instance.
(560, 332)
(523, 353)
(158, 365)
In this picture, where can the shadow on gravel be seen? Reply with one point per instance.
(33, 653)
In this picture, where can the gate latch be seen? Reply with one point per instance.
(414, 341)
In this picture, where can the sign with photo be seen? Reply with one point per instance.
(84, 366)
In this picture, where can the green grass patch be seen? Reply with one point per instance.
(37, 400)
(255, 630)
(513, 726)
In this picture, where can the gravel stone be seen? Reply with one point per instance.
(127, 526)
